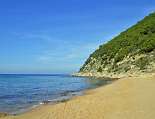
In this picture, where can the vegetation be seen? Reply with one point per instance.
(139, 39)
(142, 63)
(99, 69)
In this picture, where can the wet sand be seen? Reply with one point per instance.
(126, 98)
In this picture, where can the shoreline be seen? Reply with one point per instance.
(102, 75)
(110, 75)
(43, 103)
(56, 101)
(126, 98)
(62, 99)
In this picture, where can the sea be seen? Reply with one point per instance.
(22, 92)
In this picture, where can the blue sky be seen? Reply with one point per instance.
(57, 36)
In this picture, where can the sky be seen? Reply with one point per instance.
(57, 36)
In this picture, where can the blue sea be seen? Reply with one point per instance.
(21, 92)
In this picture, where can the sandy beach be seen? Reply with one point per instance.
(127, 98)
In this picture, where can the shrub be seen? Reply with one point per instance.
(142, 63)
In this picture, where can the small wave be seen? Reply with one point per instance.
(45, 102)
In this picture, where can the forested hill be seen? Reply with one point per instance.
(131, 51)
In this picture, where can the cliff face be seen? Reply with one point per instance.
(130, 52)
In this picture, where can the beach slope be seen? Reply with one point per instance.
(127, 98)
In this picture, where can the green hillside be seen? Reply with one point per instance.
(135, 47)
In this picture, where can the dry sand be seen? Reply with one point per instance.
(127, 98)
